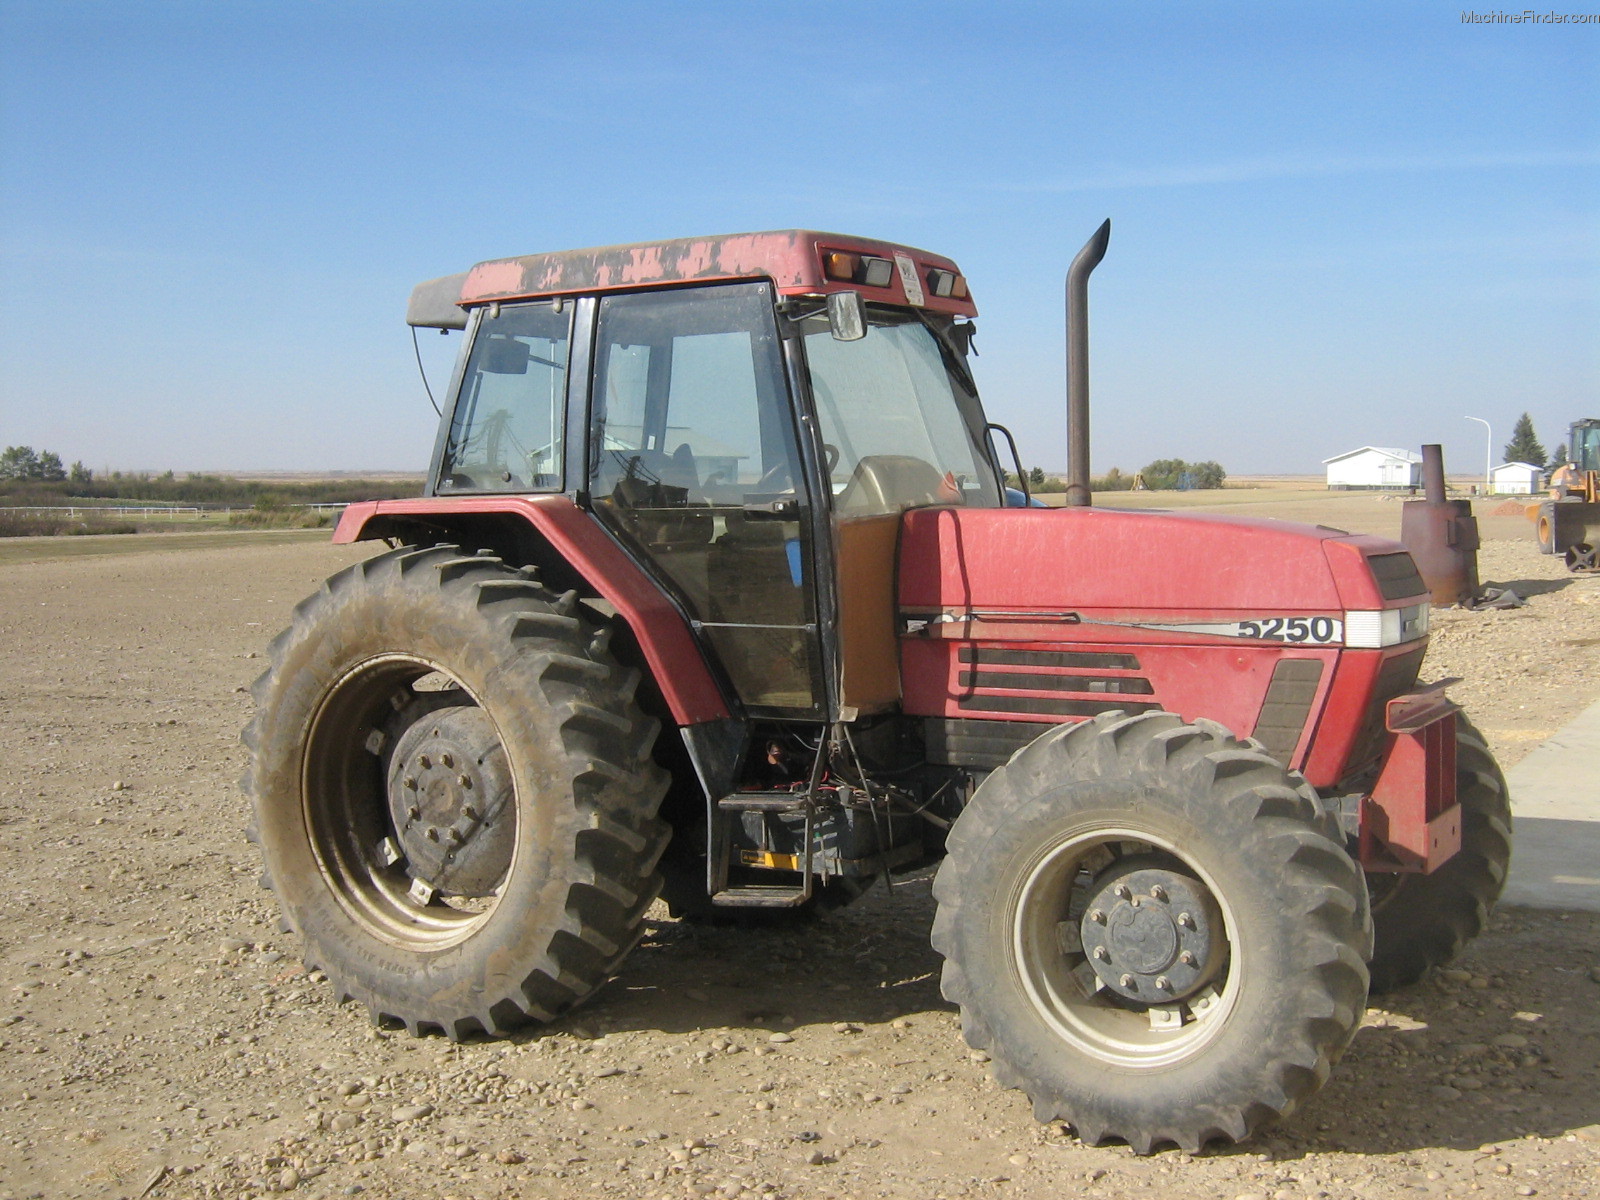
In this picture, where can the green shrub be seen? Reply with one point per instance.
(278, 517)
(16, 524)
(1169, 474)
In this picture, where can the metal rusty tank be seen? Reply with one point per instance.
(1442, 536)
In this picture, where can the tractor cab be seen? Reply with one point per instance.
(750, 442)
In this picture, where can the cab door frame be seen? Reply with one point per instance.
(811, 484)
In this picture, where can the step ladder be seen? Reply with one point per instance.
(725, 818)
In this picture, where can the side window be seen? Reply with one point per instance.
(505, 433)
(689, 395)
(693, 460)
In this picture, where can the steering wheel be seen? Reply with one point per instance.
(776, 479)
(777, 476)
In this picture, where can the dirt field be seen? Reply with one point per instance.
(159, 1038)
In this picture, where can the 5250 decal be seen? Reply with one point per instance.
(1317, 631)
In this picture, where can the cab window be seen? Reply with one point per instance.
(505, 433)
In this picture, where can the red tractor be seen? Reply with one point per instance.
(717, 593)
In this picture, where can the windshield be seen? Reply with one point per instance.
(1586, 447)
(505, 433)
(899, 419)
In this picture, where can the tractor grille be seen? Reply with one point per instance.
(986, 744)
(995, 656)
(1050, 705)
(1397, 676)
(1087, 674)
(1056, 683)
(1287, 705)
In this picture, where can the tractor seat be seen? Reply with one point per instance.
(891, 483)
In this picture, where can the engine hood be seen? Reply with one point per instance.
(1115, 564)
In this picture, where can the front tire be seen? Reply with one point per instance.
(1424, 921)
(1544, 528)
(453, 792)
(1154, 931)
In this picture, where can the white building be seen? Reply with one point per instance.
(1374, 467)
(1516, 479)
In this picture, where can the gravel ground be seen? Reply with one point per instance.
(159, 1038)
(1525, 672)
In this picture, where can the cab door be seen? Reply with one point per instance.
(693, 463)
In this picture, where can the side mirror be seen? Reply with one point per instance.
(505, 356)
(847, 316)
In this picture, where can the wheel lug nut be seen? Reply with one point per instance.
(470, 812)
(433, 834)
(1163, 983)
(447, 759)
(1185, 920)
(464, 780)
(1101, 953)
(1187, 958)
(1158, 892)
(1098, 917)
(411, 782)
(425, 761)
(413, 812)
(455, 836)
(1128, 981)
(1123, 892)
(1136, 901)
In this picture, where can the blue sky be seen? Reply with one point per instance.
(1333, 224)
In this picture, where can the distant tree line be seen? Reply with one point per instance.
(37, 479)
(21, 463)
(1165, 474)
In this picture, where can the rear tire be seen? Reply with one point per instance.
(1424, 921)
(1234, 864)
(503, 879)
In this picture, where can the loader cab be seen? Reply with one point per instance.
(751, 458)
(1583, 445)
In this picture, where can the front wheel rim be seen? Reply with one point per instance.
(1059, 980)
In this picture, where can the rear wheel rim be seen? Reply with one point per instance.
(347, 815)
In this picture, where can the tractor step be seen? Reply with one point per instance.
(765, 802)
(728, 813)
(762, 897)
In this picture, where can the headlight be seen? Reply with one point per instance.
(1387, 627)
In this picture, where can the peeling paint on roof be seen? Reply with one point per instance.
(792, 259)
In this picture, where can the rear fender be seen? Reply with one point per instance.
(573, 551)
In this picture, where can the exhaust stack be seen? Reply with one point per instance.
(1078, 365)
(1442, 536)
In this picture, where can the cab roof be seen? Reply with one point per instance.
(793, 259)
